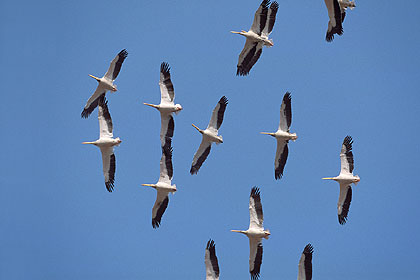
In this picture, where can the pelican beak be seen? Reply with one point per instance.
(147, 185)
(267, 133)
(96, 78)
(151, 105)
(88, 142)
(235, 32)
(234, 230)
(328, 178)
(196, 128)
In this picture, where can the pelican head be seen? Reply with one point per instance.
(114, 88)
(117, 141)
(199, 130)
(267, 234)
(356, 180)
(178, 108)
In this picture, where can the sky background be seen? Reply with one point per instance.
(57, 220)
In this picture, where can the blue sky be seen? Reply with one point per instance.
(59, 222)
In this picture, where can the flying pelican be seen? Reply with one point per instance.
(345, 179)
(106, 142)
(210, 259)
(344, 4)
(257, 36)
(163, 186)
(255, 233)
(166, 106)
(209, 135)
(305, 263)
(335, 23)
(105, 83)
(283, 135)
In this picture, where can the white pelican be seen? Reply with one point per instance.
(166, 106)
(106, 142)
(283, 135)
(344, 4)
(209, 135)
(105, 83)
(345, 179)
(335, 23)
(163, 186)
(210, 259)
(255, 233)
(305, 263)
(257, 36)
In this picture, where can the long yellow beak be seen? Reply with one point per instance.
(147, 185)
(151, 105)
(234, 230)
(196, 127)
(235, 32)
(96, 78)
(267, 133)
(88, 142)
(328, 178)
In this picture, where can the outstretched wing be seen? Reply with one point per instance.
(255, 257)
(343, 205)
(167, 126)
(115, 66)
(161, 203)
(286, 113)
(271, 19)
(108, 165)
(281, 157)
(93, 101)
(260, 17)
(248, 57)
(335, 22)
(166, 168)
(218, 114)
(167, 93)
(305, 263)
(256, 217)
(104, 117)
(200, 156)
(346, 156)
(210, 259)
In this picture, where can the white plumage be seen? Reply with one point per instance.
(210, 260)
(105, 83)
(255, 233)
(210, 135)
(106, 142)
(257, 36)
(283, 136)
(305, 263)
(345, 179)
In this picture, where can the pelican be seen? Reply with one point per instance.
(105, 83)
(166, 106)
(335, 23)
(257, 36)
(106, 142)
(209, 135)
(163, 186)
(345, 179)
(210, 259)
(344, 4)
(283, 135)
(255, 233)
(305, 263)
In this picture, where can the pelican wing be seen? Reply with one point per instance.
(200, 156)
(260, 17)
(255, 257)
(286, 113)
(93, 101)
(271, 19)
(104, 117)
(343, 205)
(305, 263)
(218, 114)
(167, 126)
(167, 94)
(256, 217)
(346, 156)
(335, 22)
(161, 203)
(108, 165)
(281, 157)
(115, 66)
(210, 259)
(248, 57)
(166, 168)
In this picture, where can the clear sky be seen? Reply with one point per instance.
(57, 220)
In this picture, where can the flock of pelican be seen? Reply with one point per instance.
(256, 38)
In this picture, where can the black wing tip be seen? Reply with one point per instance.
(241, 71)
(348, 141)
(155, 223)
(85, 114)
(265, 4)
(309, 249)
(287, 96)
(255, 275)
(165, 68)
(109, 185)
(255, 192)
(123, 53)
(278, 175)
(274, 6)
(336, 30)
(194, 170)
(223, 100)
(210, 244)
(342, 219)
